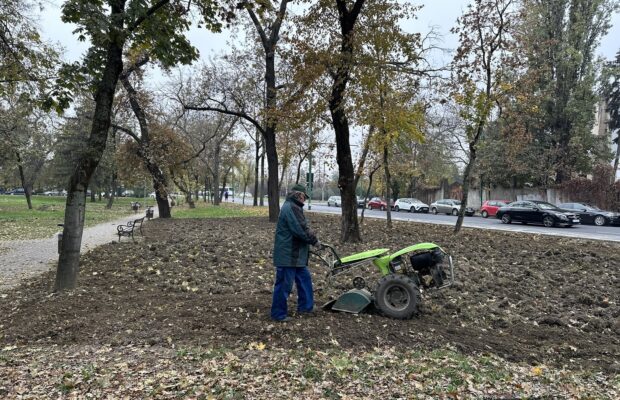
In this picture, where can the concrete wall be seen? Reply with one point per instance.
(553, 196)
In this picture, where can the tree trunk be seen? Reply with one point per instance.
(367, 192)
(68, 263)
(466, 175)
(190, 199)
(350, 231)
(93, 199)
(262, 177)
(144, 152)
(108, 206)
(270, 139)
(386, 168)
(217, 198)
(272, 178)
(22, 178)
(256, 169)
(301, 160)
(616, 159)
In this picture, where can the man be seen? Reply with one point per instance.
(290, 257)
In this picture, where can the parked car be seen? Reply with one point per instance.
(246, 194)
(538, 212)
(334, 201)
(377, 203)
(361, 202)
(489, 207)
(17, 192)
(446, 206)
(411, 205)
(592, 215)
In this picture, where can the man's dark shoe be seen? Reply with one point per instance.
(286, 319)
(310, 313)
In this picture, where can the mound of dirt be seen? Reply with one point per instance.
(208, 282)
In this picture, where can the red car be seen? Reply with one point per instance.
(377, 203)
(490, 207)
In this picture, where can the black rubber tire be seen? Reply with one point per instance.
(485, 214)
(397, 296)
(397, 209)
(548, 221)
(599, 220)
(506, 219)
(455, 212)
(412, 210)
(434, 210)
(382, 208)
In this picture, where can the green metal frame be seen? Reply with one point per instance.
(383, 263)
(338, 265)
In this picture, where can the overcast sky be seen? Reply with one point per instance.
(438, 14)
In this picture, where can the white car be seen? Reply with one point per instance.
(245, 194)
(411, 205)
(334, 201)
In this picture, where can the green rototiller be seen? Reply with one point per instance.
(404, 274)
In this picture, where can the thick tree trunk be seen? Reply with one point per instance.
(350, 231)
(190, 199)
(272, 179)
(160, 186)
(68, 263)
(269, 135)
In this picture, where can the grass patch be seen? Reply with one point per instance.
(18, 222)
(224, 210)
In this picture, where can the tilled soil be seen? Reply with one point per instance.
(207, 282)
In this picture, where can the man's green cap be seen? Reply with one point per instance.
(300, 188)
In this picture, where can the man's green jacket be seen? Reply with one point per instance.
(293, 235)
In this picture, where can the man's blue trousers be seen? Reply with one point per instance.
(285, 276)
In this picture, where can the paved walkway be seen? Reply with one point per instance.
(22, 259)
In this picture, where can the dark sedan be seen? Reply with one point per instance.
(592, 215)
(537, 212)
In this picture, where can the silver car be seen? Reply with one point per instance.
(334, 201)
(446, 206)
(411, 205)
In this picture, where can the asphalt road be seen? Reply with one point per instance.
(611, 233)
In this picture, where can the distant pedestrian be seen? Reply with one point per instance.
(226, 195)
(290, 257)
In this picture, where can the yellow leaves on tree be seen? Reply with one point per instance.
(166, 147)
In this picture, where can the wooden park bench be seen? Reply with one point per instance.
(127, 230)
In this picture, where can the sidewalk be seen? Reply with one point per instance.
(22, 259)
